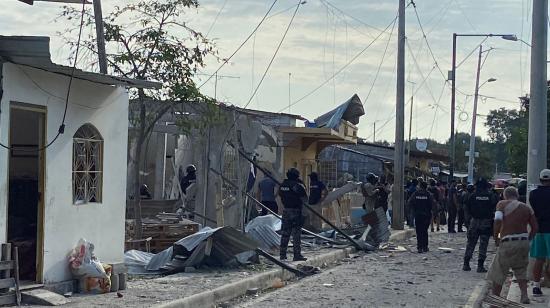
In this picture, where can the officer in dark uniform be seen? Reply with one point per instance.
(189, 178)
(481, 207)
(317, 189)
(293, 195)
(422, 203)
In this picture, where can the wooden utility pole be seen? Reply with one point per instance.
(100, 33)
(474, 118)
(399, 153)
(536, 157)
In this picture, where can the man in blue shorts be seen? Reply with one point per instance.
(540, 246)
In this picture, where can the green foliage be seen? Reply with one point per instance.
(148, 40)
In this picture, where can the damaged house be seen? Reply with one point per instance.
(56, 188)
(276, 141)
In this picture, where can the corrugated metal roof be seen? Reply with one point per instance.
(350, 111)
(34, 51)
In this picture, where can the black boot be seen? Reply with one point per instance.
(466, 266)
(299, 258)
(480, 268)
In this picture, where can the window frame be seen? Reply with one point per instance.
(98, 143)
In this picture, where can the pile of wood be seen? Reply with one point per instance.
(163, 231)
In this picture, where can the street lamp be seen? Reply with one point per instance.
(508, 37)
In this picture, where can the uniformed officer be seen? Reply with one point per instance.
(422, 203)
(188, 184)
(293, 195)
(317, 189)
(481, 207)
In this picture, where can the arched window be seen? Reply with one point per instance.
(87, 165)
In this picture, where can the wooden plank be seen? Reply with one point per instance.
(16, 275)
(8, 299)
(6, 256)
(7, 265)
(7, 283)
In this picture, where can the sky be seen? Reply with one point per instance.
(337, 48)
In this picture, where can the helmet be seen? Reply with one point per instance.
(293, 174)
(191, 169)
(314, 175)
(371, 178)
(482, 184)
(470, 188)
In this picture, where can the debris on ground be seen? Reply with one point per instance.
(161, 232)
(224, 246)
(264, 230)
(92, 275)
(445, 249)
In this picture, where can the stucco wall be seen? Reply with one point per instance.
(106, 108)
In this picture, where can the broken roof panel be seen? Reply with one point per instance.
(350, 111)
(34, 51)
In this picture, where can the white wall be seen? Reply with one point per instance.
(105, 107)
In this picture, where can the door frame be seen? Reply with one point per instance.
(14, 105)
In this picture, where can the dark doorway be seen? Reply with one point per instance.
(26, 174)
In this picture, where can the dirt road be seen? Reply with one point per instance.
(386, 279)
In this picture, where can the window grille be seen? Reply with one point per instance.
(87, 165)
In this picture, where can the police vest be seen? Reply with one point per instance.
(422, 203)
(290, 192)
(482, 205)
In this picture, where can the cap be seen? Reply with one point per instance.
(545, 175)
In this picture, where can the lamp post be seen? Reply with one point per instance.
(508, 37)
(474, 117)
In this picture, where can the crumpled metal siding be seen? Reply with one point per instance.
(350, 111)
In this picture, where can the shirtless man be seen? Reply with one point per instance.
(512, 239)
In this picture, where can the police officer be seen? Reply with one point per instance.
(293, 195)
(317, 189)
(188, 184)
(422, 202)
(481, 207)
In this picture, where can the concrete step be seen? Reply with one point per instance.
(43, 297)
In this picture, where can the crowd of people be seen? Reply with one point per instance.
(520, 230)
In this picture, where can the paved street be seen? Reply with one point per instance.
(385, 279)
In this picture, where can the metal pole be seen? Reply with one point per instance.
(536, 158)
(474, 117)
(100, 37)
(453, 107)
(410, 126)
(399, 168)
(374, 133)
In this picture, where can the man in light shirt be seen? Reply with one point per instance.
(512, 239)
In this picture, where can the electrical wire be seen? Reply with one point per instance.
(61, 129)
(471, 52)
(354, 18)
(242, 44)
(341, 69)
(274, 54)
(216, 18)
(380, 64)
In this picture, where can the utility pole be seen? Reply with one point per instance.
(410, 124)
(453, 107)
(536, 158)
(399, 153)
(100, 33)
(374, 133)
(474, 117)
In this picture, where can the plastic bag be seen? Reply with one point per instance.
(83, 262)
(93, 276)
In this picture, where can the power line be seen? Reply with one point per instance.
(61, 129)
(242, 44)
(341, 69)
(216, 18)
(274, 54)
(380, 65)
(354, 18)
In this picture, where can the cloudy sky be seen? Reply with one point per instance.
(326, 55)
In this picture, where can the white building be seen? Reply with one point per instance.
(76, 187)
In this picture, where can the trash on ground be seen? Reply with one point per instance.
(445, 249)
(93, 276)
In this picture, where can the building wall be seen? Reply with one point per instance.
(65, 223)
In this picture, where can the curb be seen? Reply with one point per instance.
(478, 295)
(263, 280)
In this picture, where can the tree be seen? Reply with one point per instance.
(148, 40)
